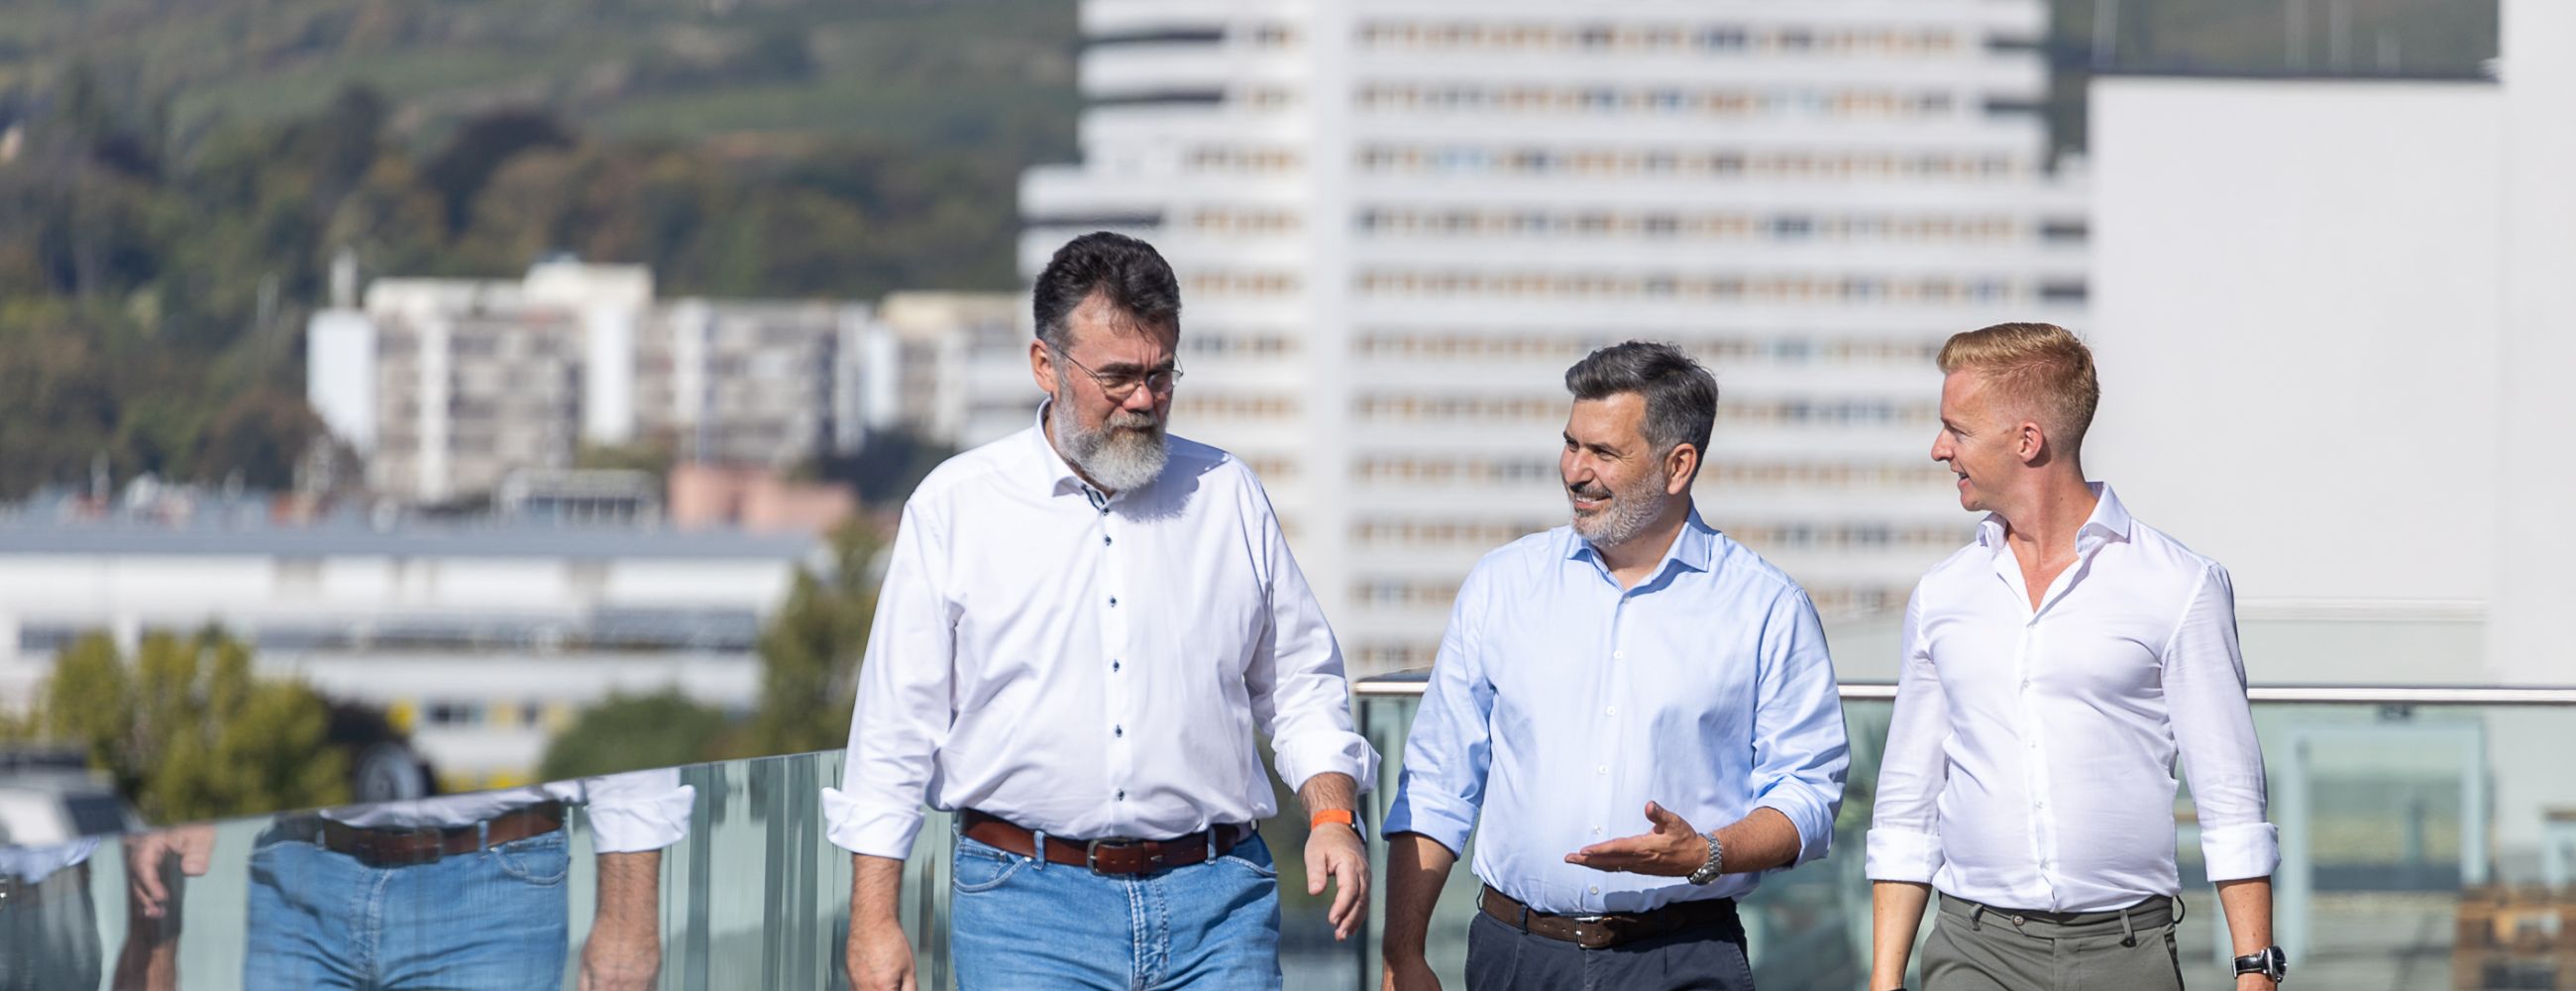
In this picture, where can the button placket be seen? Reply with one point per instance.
(1605, 732)
(2035, 777)
(1119, 697)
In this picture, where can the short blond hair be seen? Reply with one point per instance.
(2040, 367)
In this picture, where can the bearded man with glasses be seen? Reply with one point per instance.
(1081, 629)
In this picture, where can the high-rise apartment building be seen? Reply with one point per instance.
(1396, 224)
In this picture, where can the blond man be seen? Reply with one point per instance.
(2052, 672)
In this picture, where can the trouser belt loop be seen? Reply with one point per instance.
(1039, 836)
(1976, 919)
(483, 836)
(2128, 927)
(2177, 912)
(1211, 843)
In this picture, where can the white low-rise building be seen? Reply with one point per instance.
(482, 639)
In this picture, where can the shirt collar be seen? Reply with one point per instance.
(2110, 521)
(1694, 547)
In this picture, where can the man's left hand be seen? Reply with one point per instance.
(1333, 850)
(1671, 849)
(623, 954)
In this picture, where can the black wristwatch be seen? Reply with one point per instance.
(2271, 963)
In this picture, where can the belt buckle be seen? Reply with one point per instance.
(1593, 932)
(1091, 851)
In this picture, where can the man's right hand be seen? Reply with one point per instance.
(880, 957)
(1409, 974)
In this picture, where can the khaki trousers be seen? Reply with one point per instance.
(1980, 948)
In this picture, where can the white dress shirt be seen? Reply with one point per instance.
(2030, 764)
(1090, 666)
(629, 813)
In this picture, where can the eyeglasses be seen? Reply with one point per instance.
(1120, 385)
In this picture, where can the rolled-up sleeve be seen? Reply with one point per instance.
(903, 709)
(1298, 692)
(1904, 829)
(1451, 745)
(1800, 751)
(2204, 676)
(637, 810)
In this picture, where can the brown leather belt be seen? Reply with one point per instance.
(1601, 932)
(1111, 855)
(397, 847)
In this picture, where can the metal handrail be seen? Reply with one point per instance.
(1402, 686)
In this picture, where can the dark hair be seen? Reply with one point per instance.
(1135, 277)
(1681, 396)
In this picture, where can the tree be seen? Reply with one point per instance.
(187, 732)
(632, 732)
(809, 655)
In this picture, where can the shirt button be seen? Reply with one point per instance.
(1104, 540)
(1603, 769)
(1113, 602)
(1113, 666)
(1596, 830)
(1611, 711)
(1618, 655)
(1118, 731)
(1122, 794)
(1596, 891)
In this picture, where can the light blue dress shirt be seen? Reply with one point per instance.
(1561, 704)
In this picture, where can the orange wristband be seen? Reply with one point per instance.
(1342, 816)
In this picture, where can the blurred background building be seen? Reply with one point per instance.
(1396, 225)
(445, 386)
(481, 638)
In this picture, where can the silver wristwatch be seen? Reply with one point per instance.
(1715, 866)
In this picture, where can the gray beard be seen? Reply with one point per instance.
(1628, 514)
(1128, 452)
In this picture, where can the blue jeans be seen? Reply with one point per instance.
(1017, 923)
(488, 920)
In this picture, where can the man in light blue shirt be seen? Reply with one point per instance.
(1606, 692)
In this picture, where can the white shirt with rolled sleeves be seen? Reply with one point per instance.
(1090, 666)
(2030, 763)
(629, 812)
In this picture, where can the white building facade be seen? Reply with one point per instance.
(446, 386)
(482, 640)
(1397, 223)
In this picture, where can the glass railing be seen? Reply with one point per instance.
(2418, 828)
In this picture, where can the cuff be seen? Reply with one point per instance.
(1341, 750)
(1447, 826)
(1815, 826)
(2236, 853)
(643, 824)
(1903, 855)
(877, 830)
